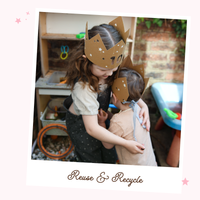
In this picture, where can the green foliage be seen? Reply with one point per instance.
(139, 20)
(180, 27)
(158, 21)
(148, 22)
(182, 50)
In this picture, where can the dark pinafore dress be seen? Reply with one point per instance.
(87, 148)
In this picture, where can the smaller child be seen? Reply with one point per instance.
(127, 89)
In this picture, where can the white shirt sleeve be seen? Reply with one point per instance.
(85, 100)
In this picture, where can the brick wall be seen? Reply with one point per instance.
(158, 48)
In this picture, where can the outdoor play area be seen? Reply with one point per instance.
(158, 44)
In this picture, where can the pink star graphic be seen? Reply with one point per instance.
(18, 20)
(27, 13)
(185, 181)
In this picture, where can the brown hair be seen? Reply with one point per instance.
(135, 83)
(79, 67)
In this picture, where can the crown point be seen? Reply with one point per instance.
(99, 52)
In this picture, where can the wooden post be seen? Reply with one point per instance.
(132, 36)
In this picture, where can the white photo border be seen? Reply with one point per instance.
(56, 174)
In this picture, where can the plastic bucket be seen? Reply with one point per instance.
(58, 102)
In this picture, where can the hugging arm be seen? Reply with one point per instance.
(102, 134)
(102, 116)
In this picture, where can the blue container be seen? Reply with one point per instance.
(170, 96)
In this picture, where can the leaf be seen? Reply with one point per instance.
(183, 26)
(160, 22)
(148, 24)
(155, 20)
(182, 35)
(182, 51)
(178, 28)
(138, 20)
(142, 19)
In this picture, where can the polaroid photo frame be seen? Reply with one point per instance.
(104, 176)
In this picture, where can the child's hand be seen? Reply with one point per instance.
(135, 147)
(102, 116)
(144, 112)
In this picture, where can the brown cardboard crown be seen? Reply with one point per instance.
(119, 87)
(97, 53)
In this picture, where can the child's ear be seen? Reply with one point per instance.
(116, 101)
(114, 98)
(84, 56)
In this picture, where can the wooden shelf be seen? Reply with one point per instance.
(55, 36)
(60, 27)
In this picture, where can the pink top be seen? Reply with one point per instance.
(121, 124)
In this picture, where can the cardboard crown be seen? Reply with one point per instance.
(119, 87)
(97, 53)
